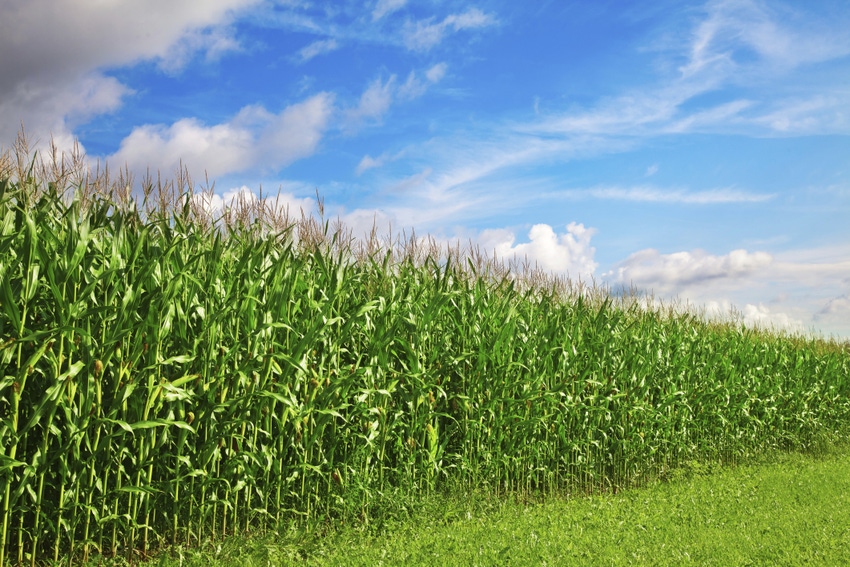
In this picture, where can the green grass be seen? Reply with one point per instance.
(167, 377)
(789, 510)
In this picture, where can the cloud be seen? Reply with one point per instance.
(412, 182)
(374, 102)
(424, 35)
(413, 87)
(368, 162)
(436, 73)
(666, 272)
(737, 43)
(836, 312)
(379, 96)
(282, 203)
(817, 114)
(649, 194)
(56, 53)
(753, 316)
(386, 7)
(733, 26)
(568, 253)
(253, 138)
(47, 110)
(317, 48)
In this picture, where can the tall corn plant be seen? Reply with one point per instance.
(168, 379)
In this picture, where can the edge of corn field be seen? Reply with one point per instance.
(168, 376)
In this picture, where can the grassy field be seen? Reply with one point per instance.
(789, 509)
(167, 376)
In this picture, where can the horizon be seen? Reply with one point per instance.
(697, 151)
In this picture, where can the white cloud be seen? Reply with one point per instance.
(374, 103)
(817, 114)
(53, 53)
(436, 73)
(253, 138)
(317, 48)
(649, 194)
(737, 43)
(652, 170)
(281, 204)
(835, 315)
(667, 272)
(568, 253)
(424, 35)
(783, 39)
(413, 87)
(386, 7)
(379, 96)
(56, 109)
(212, 42)
(368, 162)
(412, 182)
(753, 316)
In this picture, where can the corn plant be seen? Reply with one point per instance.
(166, 377)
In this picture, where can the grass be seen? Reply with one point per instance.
(787, 509)
(170, 377)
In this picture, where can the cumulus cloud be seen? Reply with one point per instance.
(46, 110)
(283, 203)
(753, 316)
(255, 137)
(665, 272)
(424, 35)
(52, 75)
(568, 253)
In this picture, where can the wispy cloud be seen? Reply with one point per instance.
(649, 194)
(782, 37)
(737, 43)
(414, 87)
(425, 34)
(368, 162)
(379, 96)
(316, 48)
(386, 7)
(373, 104)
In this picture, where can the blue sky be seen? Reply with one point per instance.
(700, 150)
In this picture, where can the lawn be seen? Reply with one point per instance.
(787, 509)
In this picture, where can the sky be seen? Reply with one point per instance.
(699, 151)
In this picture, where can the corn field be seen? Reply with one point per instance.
(168, 378)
